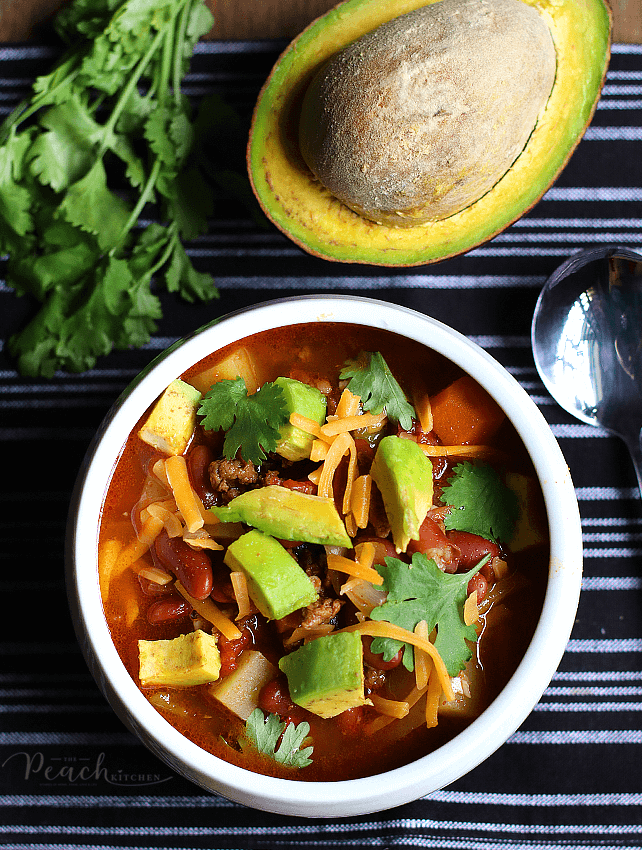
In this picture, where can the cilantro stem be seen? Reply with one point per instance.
(144, 197)
(126, 92)
(178, 51)
(167, 253)
(30, 105)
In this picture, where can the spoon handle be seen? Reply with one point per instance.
(634, 445)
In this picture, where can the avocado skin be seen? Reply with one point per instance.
(288, 515)
(325, 676)
(403, 474)
(276, 583)
(304, 210)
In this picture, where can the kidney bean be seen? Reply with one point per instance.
(472, 547)
(479, 583)
(377, 661)
(300, 486)
(167, 610)
(383, 548)
(198, 462)
(274, 698)
(191, 567)
(152, 588)
(222, 590)
(434, 543)
(349, 721)
(231, 650)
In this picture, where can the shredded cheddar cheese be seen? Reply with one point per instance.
(305, 424)
(471, 610)
(384, 720)
(455, 451)
(159, 471)
(172, 523)
(381, 628)
(187, 500)
(348, 404)
(423, 662)
(354, 568)
(155, 575)
(352, 423)
(337, 450)
(239, 586)
(152, 527)
(423, 409)
(433, 698)
(390, 707)
(360, 500)
(352, 472)
(365, 554)
(305, 634)
(212, 613)
(200, 540)
(318, 451)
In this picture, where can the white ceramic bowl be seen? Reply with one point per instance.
(449, 762)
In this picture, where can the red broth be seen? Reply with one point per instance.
(356, 742)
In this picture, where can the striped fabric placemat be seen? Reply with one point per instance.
(71, 775)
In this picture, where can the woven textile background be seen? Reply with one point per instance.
(571, 776)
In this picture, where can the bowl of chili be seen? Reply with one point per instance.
(324, 556)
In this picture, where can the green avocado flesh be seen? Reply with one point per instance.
(288, 515)
(320, 224)
(276, 583)
(403, 474)
(325, 676)
(307, 401)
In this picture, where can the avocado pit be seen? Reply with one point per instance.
(419, 118)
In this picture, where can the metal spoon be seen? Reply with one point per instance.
(587, 342)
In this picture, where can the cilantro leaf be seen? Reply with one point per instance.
(264, 733)
(251, 422)
(482, 504)
(421, 591)
(372, 380)
(111, 112)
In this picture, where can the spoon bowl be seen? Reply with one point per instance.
(587, 341)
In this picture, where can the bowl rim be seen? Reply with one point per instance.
(453, 759)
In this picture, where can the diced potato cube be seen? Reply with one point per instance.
(171, 423)
(191, 659)
(239, 692)
(238, 364)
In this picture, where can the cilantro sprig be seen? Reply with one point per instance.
(264, 733)
(371, 379)
(251, 422)
(481, 503)
(421, 591)
(105, 133)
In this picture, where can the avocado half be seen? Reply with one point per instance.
(308, 214)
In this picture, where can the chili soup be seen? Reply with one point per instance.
(323, 552)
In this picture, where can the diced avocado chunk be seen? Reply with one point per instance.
(239, 691)
(325, 676)
(307, 401)
(275, 582)
(403, 474)
(171, 423)
(184, 661)
(288, 515)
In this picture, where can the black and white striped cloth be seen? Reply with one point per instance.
(71, 776)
